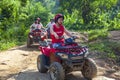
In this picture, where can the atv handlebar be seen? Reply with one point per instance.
(36, 30)
(74, 37)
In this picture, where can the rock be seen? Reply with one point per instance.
(102, 78)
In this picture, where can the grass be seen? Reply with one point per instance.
(100, 43)
(5, 45)
(106, 48)
(97, 33)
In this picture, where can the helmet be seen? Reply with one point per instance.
(38, 19)
(57, 16)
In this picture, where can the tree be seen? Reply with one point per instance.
(86, 8)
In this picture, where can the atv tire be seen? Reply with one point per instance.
(89, 69)
(29, 42)
(68, 70)
(41, 64)
(56, 71)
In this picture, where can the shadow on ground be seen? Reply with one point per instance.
(75, 76)
(25, 48)
(35, 75)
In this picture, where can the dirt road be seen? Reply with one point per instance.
(19, 63)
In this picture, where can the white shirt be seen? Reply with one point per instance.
(49, 25)
(35, 26)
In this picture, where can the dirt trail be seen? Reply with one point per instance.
(19, 63)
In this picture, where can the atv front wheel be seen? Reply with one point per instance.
(56, 71)
(89, 69)
(41, 64)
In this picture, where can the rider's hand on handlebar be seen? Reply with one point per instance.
(76, 37)
(61, 37)
(56, 36)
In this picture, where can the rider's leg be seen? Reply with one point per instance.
(55, 45)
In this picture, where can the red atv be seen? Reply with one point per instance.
(36, 36)
(68, 57)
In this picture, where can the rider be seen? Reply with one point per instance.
(57, 31)
(51, 23)
(36, 25)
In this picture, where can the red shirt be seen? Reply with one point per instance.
(59, 31)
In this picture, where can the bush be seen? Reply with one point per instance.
(6, 45)
(97, 34)
(106, 47)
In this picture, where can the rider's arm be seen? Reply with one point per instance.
(42, 26)
(53, 33)
(47, 25)
(67, 32)
(31, 27)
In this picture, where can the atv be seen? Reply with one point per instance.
(35, 36)
(68, 57)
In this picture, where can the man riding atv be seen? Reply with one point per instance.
(37, 33)
(50, 24)
(57, 31)
(36, 25)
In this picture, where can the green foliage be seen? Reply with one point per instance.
(106, 47)
(23, 2)
(112, 55)
(114, 24)
(32, 11)
(15, 18)
(72, 21)
(6, 45)
(49, 4)
(97, 46)
(97, 34)
(96, 16)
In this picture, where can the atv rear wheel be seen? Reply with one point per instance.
(41, 64)
(56, 71)
(29, 42)
(89, 69)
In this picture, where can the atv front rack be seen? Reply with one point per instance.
(73, 49)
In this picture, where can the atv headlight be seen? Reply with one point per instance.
(62, 55)
(86, 54)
